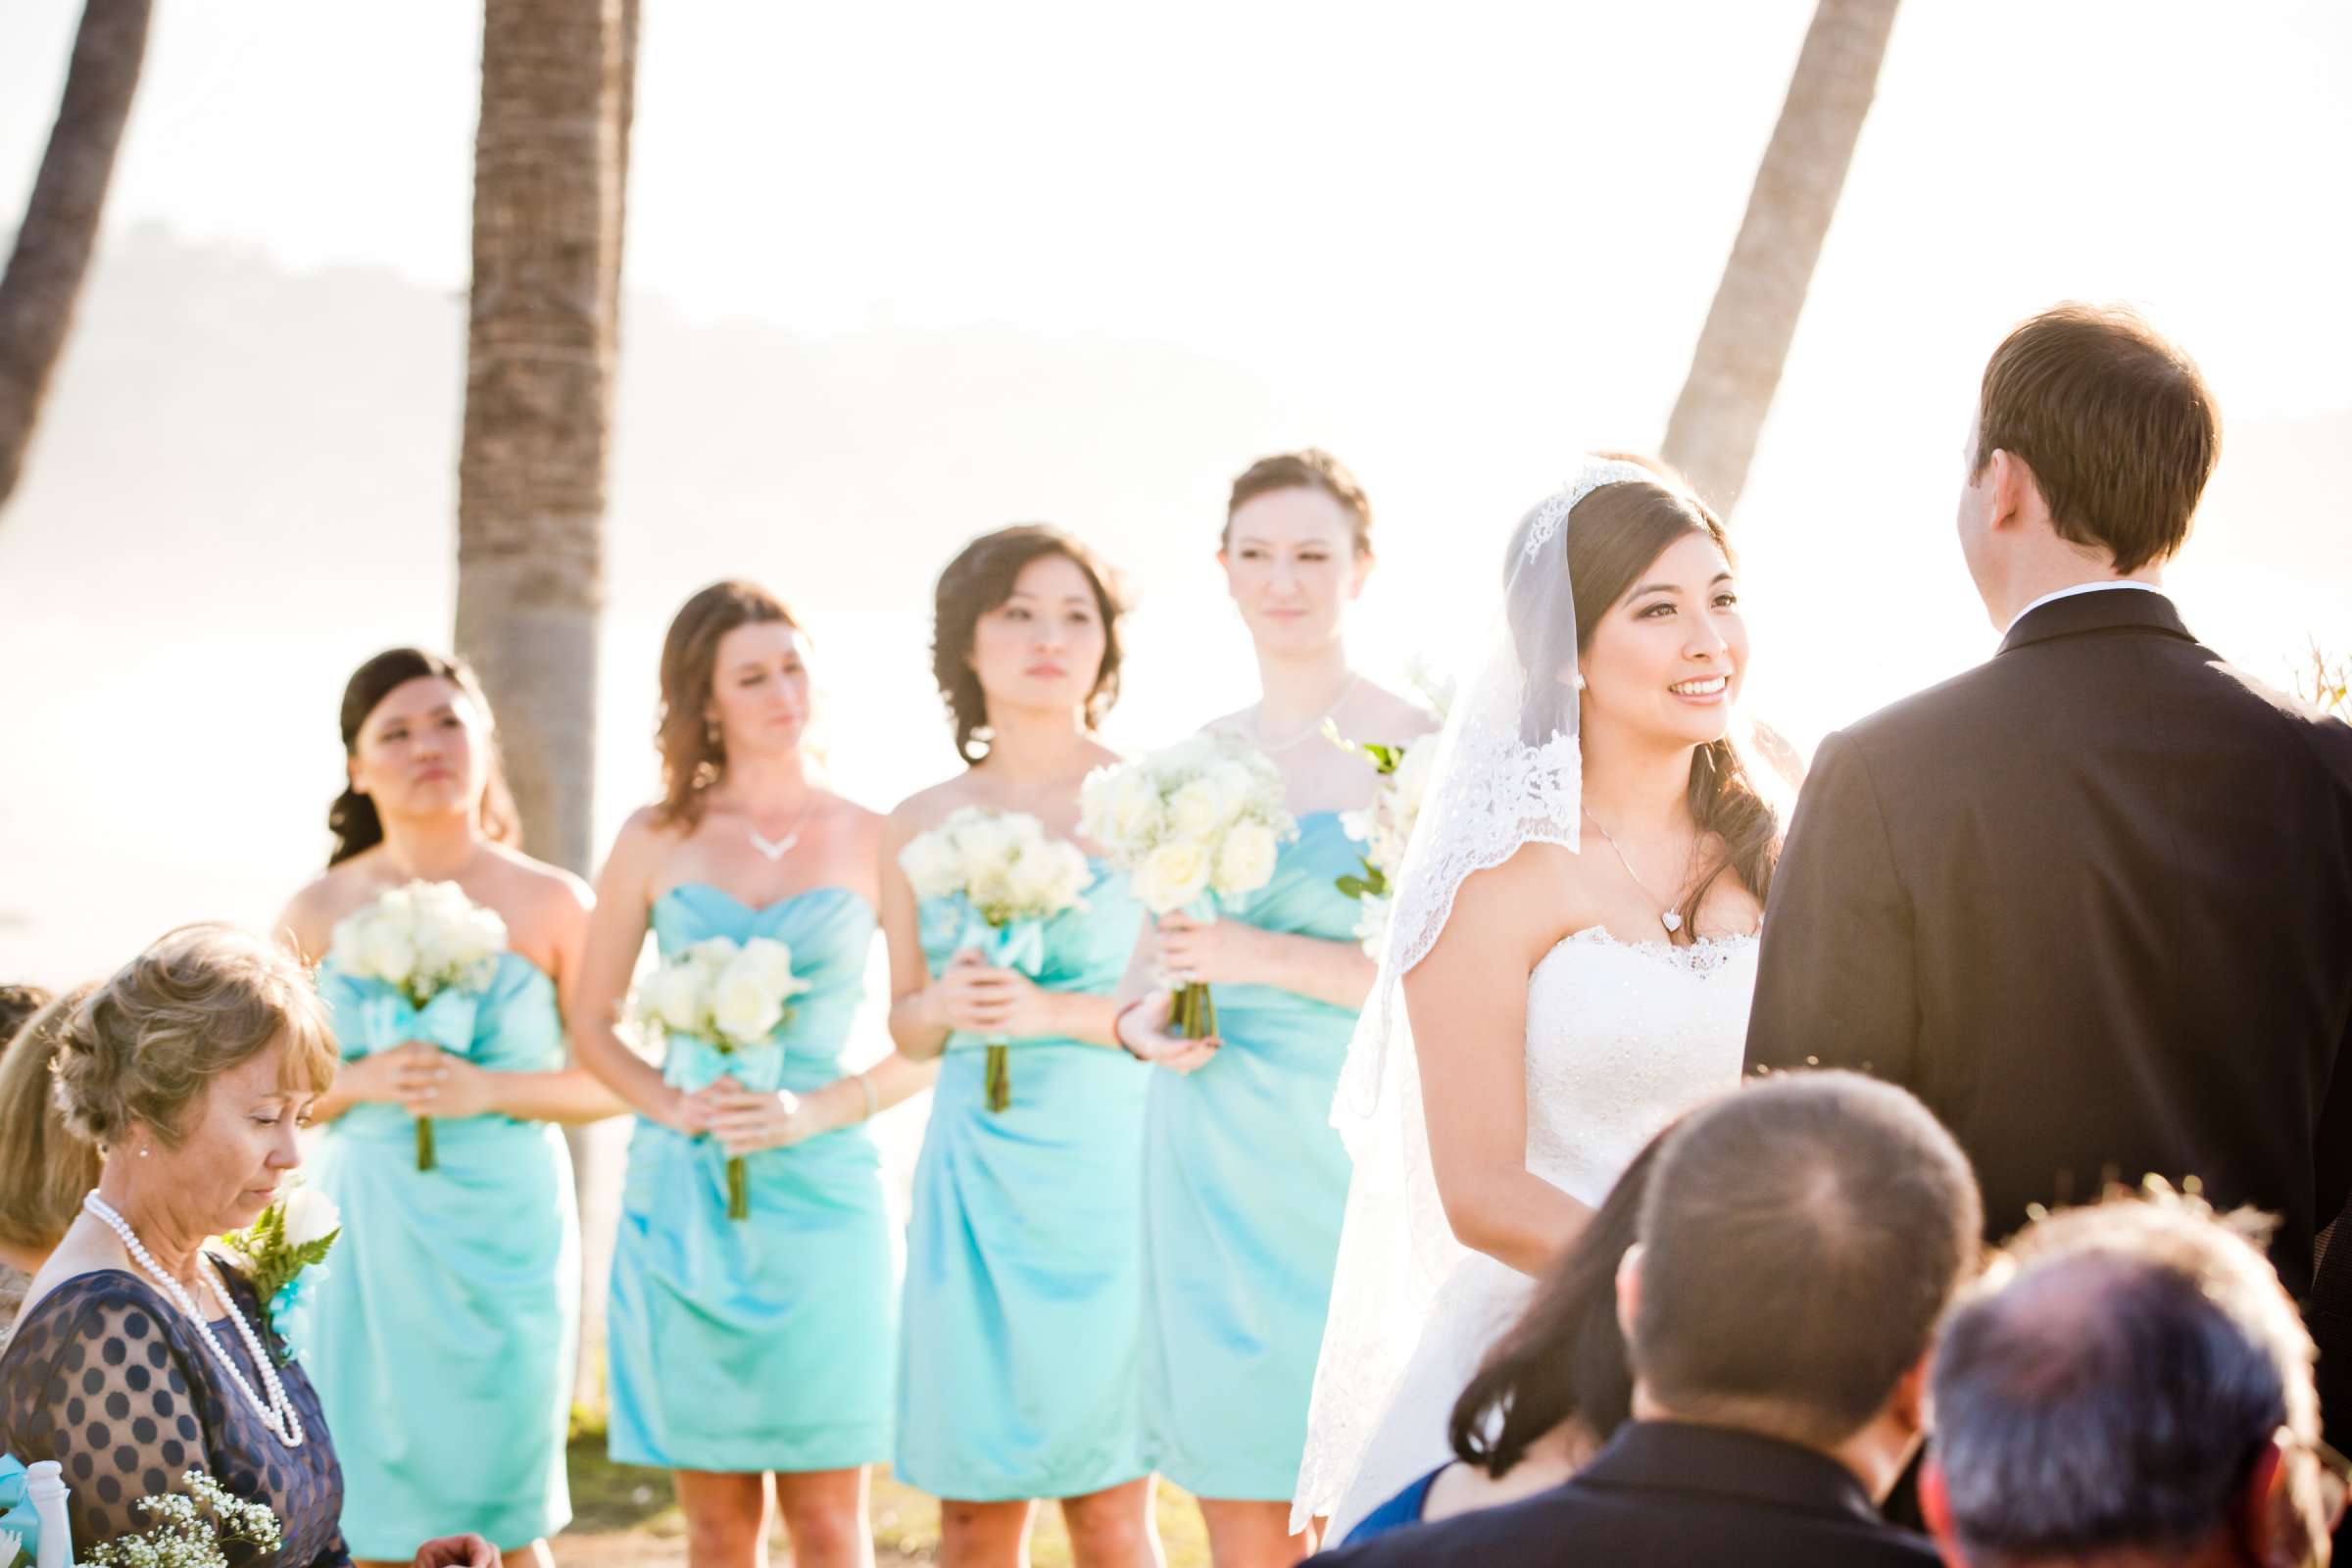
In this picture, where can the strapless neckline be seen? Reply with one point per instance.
(823, 888)
(1703, 957)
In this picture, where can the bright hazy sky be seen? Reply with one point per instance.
(1460, 243)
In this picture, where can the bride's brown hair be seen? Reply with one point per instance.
(1614, 535)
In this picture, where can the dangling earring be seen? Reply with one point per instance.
(710, 734)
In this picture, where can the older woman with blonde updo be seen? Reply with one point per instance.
(140, 1355)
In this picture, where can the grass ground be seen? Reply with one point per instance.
(624, 1517)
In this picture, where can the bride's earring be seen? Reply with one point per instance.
(1580, 681)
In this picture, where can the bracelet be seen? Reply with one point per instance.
(866, 1084)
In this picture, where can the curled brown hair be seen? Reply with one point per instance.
(43, 1169)
(2115, 423)
(692, 757)
(1564, 1359)
(981, 578)
(1310, 468)
(144, 1045)
(353, 817)
(1611, 538)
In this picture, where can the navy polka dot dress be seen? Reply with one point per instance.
(107, 1377)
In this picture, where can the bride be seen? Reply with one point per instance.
(1574, 940)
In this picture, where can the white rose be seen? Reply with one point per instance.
(771, 962)
(1246, 859)
(1411, 780)
(309, 1216)
(1360, 825)
(387, 952)
(349, 947)
(930, 864)
(709, 956)
(1134, 811)
(742, 1007)
(984, 841)
(1201, 807)
(671, 994)
(1171, 877)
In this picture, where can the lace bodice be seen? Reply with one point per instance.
(1621, 1038)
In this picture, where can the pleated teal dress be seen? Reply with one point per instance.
(1244, 1182)
(441, 1334)
(1024, 1244)
(763, 1343)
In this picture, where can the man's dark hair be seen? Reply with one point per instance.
(2116, 423)
(1799, 1240)
(2111, 1390)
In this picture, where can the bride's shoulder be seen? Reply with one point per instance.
(1521, 904)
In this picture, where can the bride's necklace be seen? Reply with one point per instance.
(1667, 917)
(1314, 725)
(277, 1411)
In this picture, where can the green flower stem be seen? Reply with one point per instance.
(739, 1191)
(999, 1079)
(425, 1143)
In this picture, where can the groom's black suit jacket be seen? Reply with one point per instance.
(2093, 903)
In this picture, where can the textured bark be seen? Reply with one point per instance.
(542, 340)
(1744, 346)
(59, 231)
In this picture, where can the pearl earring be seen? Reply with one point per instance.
(1580, 682)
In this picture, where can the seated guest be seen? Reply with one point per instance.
(1553, 1388)
(2138, 1391)
(139, 1355)
(43, 1172)
(1796, 1243)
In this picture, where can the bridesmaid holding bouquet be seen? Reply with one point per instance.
(751, 1327)
(441, 1338)
(1025, 1266)
(1246, 1180)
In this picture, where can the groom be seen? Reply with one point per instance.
(2093, 899)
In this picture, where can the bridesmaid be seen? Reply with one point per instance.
(445, 1327)
(745, 1347)
(1244, 1180)
(1024, 1275)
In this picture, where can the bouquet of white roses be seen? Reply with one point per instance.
(1013, 876)
(283, 1256)
(191, 1530)
(1199, 821)
(716, 1002)
(429, 951)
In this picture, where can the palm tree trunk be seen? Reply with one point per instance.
(1744, 344)
(59, 230)
(541, 348)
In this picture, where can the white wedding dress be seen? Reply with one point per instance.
(1621, 1038)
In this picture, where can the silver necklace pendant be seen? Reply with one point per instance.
(1672, 922)
(777, 848)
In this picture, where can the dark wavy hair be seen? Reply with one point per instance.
(692, 757)
(1611, 537)
(980, 579)
(353, 819)
(1564, 1359)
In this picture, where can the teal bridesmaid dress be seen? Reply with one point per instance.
(1244, 1182)
(762, 1343)
(441, 1334)
(1025, 1255)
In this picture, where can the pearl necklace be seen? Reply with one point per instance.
(278, 1412)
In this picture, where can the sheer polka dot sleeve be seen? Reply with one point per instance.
(109, 1379)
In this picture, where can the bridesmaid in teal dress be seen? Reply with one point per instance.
(444, 1331)
(1024, 1265)
(741, 1349)
(1245, 1179)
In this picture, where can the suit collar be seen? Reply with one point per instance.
(2102, 611)
(1682, 1457)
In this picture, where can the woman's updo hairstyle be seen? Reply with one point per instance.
(143, 1047)
(1310, 468)
(43, 1171)
(692, 755)
(981, 578)
(353, 819)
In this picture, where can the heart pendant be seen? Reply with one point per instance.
(1671, 921)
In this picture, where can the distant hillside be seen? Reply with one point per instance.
(219, 421)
